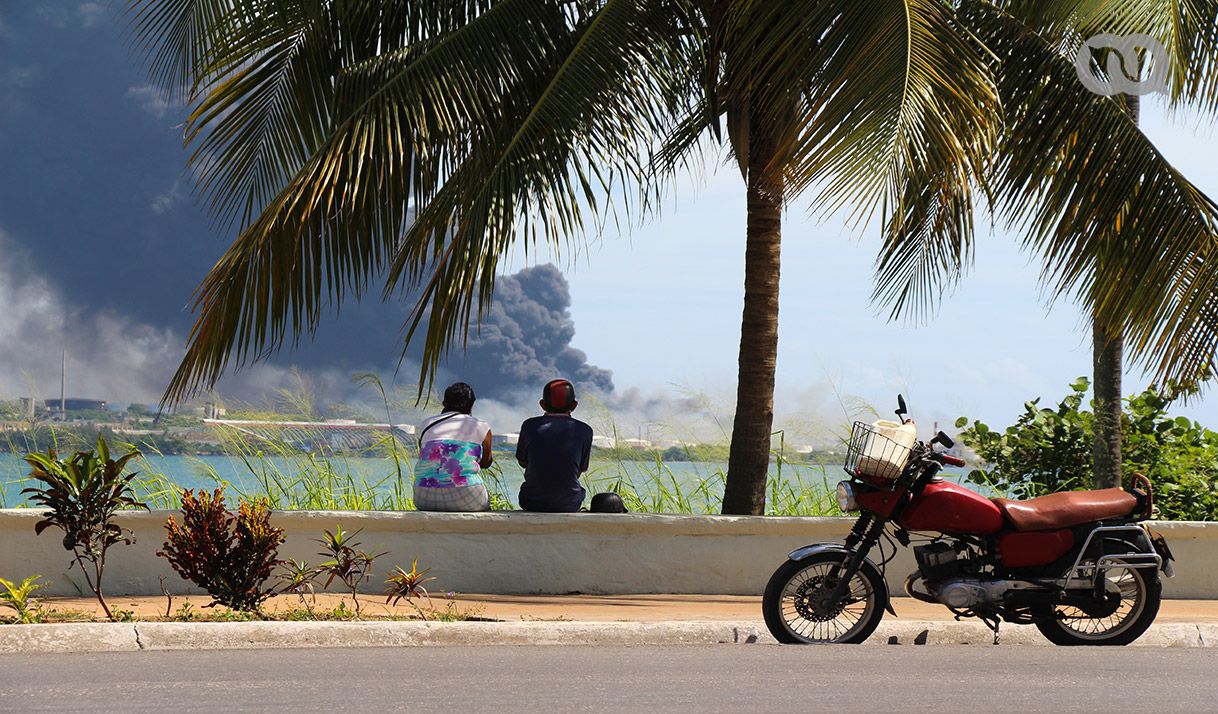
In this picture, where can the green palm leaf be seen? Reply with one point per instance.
(1116, 224)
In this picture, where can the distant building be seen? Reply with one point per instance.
(209, 411)
(27, 407)
(639, 444)
(603, 442)
(504, 439)
(674, 444)
(75, 404)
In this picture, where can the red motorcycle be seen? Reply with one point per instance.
(1079, 565)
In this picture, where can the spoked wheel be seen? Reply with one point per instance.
(798, 609)
(1133, 603)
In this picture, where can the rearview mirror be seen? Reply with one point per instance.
(901, 405)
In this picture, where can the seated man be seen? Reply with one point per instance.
(554, 450)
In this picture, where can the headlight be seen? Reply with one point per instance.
(845, 497)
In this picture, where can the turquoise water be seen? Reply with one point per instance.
(669, 484)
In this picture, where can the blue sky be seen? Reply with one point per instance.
(99, 230)
(994, 344)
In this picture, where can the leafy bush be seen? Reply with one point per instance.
(348, 563)
(298, 578)
(82, 494)
(229, 555)
(17, 598)
(1049, 450)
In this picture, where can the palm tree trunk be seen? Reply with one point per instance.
(749, 457)
(1107, 345)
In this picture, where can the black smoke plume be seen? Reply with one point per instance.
(525, 341)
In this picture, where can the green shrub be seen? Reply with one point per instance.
(81, 495)
(1049, 450)
(348, 563)
(229, 555)
(16, 597)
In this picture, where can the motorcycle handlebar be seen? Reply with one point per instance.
(950, 460)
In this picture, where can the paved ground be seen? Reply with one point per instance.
(744, 678)
(594, 608)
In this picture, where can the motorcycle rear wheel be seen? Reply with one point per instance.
(796, 608)
(1141, 592)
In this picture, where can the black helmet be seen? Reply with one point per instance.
(608, 502)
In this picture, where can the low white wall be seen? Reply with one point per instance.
(521, 553)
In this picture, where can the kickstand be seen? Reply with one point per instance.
(993, 623)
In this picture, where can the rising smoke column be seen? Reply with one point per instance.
(525, 340)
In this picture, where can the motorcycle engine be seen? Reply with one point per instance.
(967, 593)
(956, 582)
(964, 593)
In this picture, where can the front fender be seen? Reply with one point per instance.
(808, 551)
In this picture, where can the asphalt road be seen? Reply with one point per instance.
(729, 678)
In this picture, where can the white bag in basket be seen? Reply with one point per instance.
(882, 458)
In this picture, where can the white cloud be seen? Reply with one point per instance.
(165, 202)
(151, 100)
(90, 13)
(18, 76)
(109, 355)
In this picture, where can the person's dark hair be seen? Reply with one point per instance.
(608, 502)
(558, 397)
(459, 397)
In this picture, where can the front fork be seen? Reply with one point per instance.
(863, 536)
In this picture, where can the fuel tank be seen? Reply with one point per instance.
(949, 508)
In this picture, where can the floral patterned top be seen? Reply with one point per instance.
(450, 452)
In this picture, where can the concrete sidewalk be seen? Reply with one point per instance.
(533, 620)
(576, 608)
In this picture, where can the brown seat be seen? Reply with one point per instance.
(1070, 508)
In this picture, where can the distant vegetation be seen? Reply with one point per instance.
(1048, 449)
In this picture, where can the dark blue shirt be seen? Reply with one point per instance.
(554, 451)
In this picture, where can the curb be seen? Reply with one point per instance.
(164, 636)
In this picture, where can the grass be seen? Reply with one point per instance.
(292, 479)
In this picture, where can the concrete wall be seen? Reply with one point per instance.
(519, 553)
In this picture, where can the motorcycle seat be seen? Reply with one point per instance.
(1069, 508)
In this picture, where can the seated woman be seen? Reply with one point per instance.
(453, 449)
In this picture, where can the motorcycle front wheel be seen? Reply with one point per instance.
(1137, 592)
(797, 605)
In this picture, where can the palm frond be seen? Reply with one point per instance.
(1188, 30)
(1116, 224)
(898, 115)
(437, 155)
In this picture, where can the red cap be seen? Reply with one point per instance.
(558, 395)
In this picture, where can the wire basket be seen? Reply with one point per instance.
(873, 454)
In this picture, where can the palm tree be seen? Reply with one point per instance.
(412, 143)
(1189, 54)
(415, 142)
(1107, 186)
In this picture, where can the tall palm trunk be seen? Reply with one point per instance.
(749, 458)
(1107, 345)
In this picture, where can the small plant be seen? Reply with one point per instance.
(82, 494)
(340, 611)
(347, 562)
(455, 612)
(407, 585)
(185, 612)
(298, 578)
(17, 598)
(229, 555)
(124, 616)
